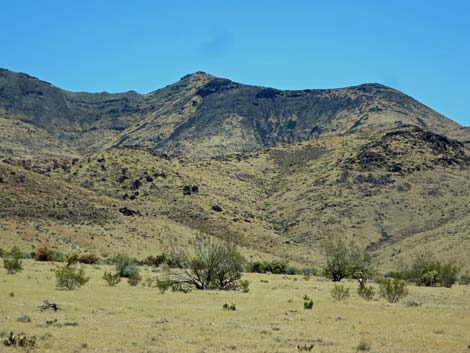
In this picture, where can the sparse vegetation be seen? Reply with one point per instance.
(393, 289)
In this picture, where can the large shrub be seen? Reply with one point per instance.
(12, 261)
(211, 263)
(43, 253)
(125, 266)
(426, 270)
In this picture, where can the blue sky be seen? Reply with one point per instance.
(419, 47)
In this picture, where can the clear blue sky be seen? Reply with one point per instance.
(419, 47)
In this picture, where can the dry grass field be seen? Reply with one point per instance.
(270, 318)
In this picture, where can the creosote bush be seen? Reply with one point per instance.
(12, 261)
(393, 289)
(134, 279)
(112, 278)
(70, 277)
(245, 285)
(339, 292)
(163, 285)
(211, 263)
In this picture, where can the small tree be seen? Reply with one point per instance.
(338, 264)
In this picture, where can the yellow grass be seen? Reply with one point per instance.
(270, 318)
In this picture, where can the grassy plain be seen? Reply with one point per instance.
(270, 318)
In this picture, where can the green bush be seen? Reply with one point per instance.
(211, 263)
(163, 285)
(308, 302)
(88, 258)
(134, 279)
(112, 278)
(229, 307)
(245, 286)
(465, 279)
(366, 293)
(12, 260)
(274, 266)
(339, 292)
(70, 277)
(393, 289)
(12, 265)
(45, 254)
(125, 266)
(430, 272)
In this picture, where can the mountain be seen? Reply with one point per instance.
(279, 172)
(199, 116)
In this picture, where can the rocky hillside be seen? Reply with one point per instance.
(279, 172)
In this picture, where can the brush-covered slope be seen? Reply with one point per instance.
(202, 115)
(396, 192)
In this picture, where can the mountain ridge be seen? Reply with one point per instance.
(217, 115)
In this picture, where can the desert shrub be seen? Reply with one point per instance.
(363, 346)
(465, 279)
(393, 289)
(125, 266)
(400, 274)
(112, 278)
(229, 307)
(210, 264)
(134, 279)
(245, 285)
(163, 285)
(366, 292)
(449, 274)
(308, 302)
(70, 277)
(180, 287)
(427, 271)
(12, 261)
(161, 259)
(339, 292)
(12, 265)
(88, 258)
(19, 340)
(274, 266)
(71, 259)
(45, 254)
